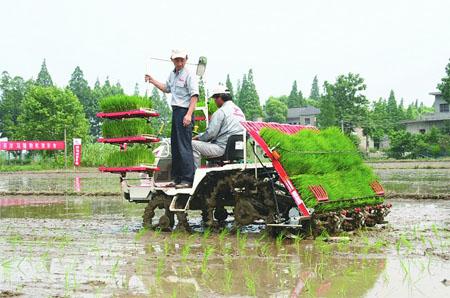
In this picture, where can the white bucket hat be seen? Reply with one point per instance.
(178, 54)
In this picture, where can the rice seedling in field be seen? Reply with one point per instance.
(134, 155)
(159, 269)
(327, 158)
(126, 128)
(222, 236)
(250, 284)
(120, 103)
(206, 254)
(228, 280)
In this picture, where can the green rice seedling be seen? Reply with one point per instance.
(327, 158)
(250, 284)
(126, 128)
(134, 155)
(114, 269)
(206, 234)
(242, 243)
(228, 280)
(140, 234)
(185, 251)
(120, 103)
(166, 247)
(206, 254)
(159, 269)
(297, 241)
(222, 236)
(265, 250)
(279, 241)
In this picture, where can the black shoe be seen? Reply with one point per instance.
(183, 185)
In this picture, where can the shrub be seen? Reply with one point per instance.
(434, 143)
(121, 102)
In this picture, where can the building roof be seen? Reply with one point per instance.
(435, 93)
(305, 111)
(429, 118)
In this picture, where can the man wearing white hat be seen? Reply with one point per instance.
(224, 123)
(184, 88)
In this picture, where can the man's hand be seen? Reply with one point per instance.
(187, 120)
(149, 79)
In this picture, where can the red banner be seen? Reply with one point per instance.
(31, 145)
(76, 152)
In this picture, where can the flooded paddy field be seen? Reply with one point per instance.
(94, 246)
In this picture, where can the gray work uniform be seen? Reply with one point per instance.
(183, 85)
(224, 123)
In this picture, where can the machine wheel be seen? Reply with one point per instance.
(166, 221)
(215, 209)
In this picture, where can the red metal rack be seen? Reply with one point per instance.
(143, 113)
(123, 141)
(253, 129)
(129, 169)
(135, 139)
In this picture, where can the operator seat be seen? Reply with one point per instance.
(234, 151)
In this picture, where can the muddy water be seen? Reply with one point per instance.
(59, 182)
(404, 177)
(94, 246)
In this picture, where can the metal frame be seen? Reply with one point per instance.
(253, 129)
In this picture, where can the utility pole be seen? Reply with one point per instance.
(342, 125)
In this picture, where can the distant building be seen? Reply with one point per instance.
(427, 121)
(303, 116)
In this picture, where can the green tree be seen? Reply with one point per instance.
(249, 99)
(393, 112)
(162, 107)
(238, 92)
(444, 86)
(47, 111)
(315, 93)
(12, 92)
(229, 86)
(136, 90)
(44, 79)
(344, 101)
(79, 86)
(201, 90)
(378, 118)
(295, 99)
(275, 111)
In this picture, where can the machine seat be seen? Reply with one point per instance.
(234, 151)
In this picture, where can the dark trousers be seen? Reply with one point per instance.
(181, 143)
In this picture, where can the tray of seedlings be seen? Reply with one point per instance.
(129, 128)
(330, 175)
(123, 106)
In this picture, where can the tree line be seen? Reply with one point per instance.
(37, 109)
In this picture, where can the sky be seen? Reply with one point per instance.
(402, 45)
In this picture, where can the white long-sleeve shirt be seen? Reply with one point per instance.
(224, 123)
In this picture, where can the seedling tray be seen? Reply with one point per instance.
(129, 169)
(129, 114)
(133, 139)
